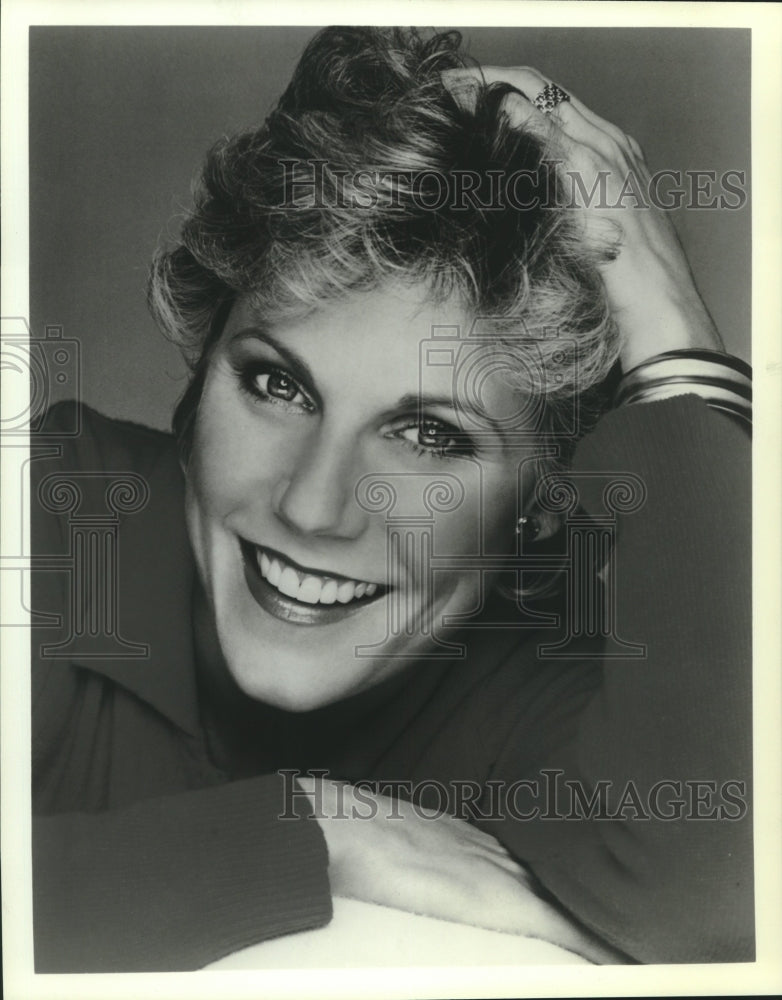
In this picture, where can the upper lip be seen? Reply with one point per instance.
(307, 570)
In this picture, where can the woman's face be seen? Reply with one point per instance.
(294, 547)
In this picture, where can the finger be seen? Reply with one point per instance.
(636, 148)
(575, 118)
(491, 849)
(573, 115)
(487, 844)
(512, 868)
(521, 111)
(529, 82)
(564, 109)
(586, 144)
(464, 83)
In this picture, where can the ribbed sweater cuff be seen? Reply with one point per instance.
(268, 876)
(175, 883)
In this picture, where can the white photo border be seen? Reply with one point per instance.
(761, 977)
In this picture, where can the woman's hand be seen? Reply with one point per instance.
(649, 285)
(386, 851)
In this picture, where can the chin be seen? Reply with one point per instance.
(289, 683)
(297, 667)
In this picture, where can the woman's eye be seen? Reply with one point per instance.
(435, 438)
(432, 434)
(279, 385)
(274, 384)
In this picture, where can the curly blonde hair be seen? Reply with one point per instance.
(368, 109)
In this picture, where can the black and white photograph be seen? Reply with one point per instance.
(379, 595)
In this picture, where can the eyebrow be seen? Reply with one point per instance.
(294, 361)
(409, 401)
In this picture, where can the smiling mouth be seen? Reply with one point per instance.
(294, 594)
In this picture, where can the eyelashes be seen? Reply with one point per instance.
(272, 385)
(430, 436)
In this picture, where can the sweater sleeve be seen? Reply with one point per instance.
(662, 868)
(173, 883)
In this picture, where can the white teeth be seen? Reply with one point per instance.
(275, 572)
(346, 592)
(289, 582)
(310, 589)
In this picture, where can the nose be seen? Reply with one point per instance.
(315, 493)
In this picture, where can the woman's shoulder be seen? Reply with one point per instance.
(87, 440)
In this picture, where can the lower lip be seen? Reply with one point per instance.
(289, 610)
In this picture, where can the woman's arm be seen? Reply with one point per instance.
(173, 883)
(665, 882)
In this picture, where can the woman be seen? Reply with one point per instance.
(403, 323)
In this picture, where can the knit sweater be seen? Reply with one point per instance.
(165, 835)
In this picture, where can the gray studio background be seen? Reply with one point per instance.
(120, 119)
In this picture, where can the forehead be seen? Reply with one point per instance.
(393, 342)
(388, 320)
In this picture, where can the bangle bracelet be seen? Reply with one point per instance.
(721, 380)
(697, 354)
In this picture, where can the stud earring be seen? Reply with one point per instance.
(528, 527)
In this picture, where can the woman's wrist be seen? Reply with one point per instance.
(676, 319)
(332, 807)
(722, 380)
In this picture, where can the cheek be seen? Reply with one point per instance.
(476, 518)
(232, 459)
(483, 520)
